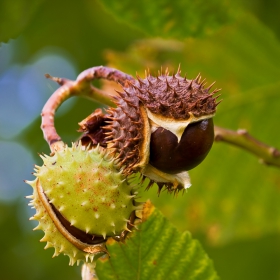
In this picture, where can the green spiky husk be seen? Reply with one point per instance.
(89, 191)
(53, 237)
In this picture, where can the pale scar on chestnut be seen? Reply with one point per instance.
(170, 156)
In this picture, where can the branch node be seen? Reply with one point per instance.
(218, 137)
(274, 152)
(242, 132)
(60, 81)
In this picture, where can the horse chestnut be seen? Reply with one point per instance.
(81, 198)
(168, 155)
(162, 126)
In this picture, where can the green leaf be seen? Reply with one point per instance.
(177, 19)
(156, 251)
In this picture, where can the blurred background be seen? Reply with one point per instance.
(232, 207)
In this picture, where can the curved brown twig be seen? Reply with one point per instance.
(82, 86)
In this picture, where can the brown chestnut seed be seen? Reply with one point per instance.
(77, 233)
(169, 156)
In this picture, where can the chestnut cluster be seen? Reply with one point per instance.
(159, 128)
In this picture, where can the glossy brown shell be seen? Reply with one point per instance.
(168, 155)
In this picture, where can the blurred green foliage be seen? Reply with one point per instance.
(180, 19)
(233, 205)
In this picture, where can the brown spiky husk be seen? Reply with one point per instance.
(174, 96)
(122, 129)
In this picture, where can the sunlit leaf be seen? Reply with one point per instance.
(156, 251)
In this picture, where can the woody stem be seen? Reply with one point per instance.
(241, 138)
(88, 272)
(82, 86)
